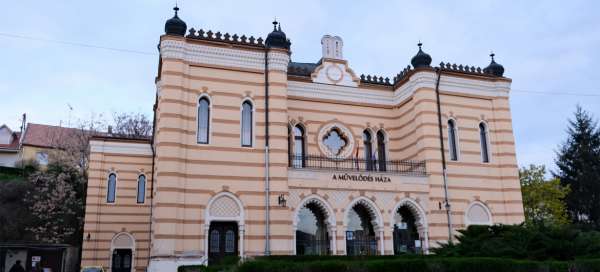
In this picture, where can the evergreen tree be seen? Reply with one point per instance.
(579, 167)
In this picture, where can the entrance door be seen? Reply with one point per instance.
(121, 260)
(223, 241)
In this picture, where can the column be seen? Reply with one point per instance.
(381, 244)
(241, 245)
(333, 233)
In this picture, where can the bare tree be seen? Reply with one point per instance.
(134, 125)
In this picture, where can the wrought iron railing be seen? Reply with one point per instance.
(408, 167)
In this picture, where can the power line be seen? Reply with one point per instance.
(76, 44)
(556, 93)
(123, 50)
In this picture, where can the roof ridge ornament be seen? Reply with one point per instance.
(421, 59)
(175, 26)
(494, 68)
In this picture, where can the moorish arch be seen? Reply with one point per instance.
(314, 227)
(363, 225)
(408, 212)
(477, 213)
(224, 227)
(123, 255)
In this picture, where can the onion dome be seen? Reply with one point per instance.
(277, 38)
(421, 59)
(494, 68)
(175, 26)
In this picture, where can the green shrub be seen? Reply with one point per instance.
(534, 242)
(404, 264)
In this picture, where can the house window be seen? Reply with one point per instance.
(247, 123)
(112, 188)
(381, 156)
(483, 138)
(452, 140)
(42, 158)
(368, 143)
(203, 120)
(298, 161)
(141, 189)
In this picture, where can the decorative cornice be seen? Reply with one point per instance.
(418, 79)
(125, 148)
(221, 56)
(226, 38)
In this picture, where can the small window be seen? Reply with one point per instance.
(42, 158)
(298, 147)
(381, 156)
(141, 189)
(214, 241)
(203, 120)
(368, 143)
(247, 124)
(229, 241)
(112, 188)
(452, 140)
(483, 138)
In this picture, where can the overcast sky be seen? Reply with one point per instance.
(551, 47)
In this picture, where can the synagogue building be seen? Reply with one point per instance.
(254, 153)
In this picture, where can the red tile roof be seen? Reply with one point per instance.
(49, 136)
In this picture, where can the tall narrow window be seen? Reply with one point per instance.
(247, 124)
(141, 189)
(483, 138)
(203, 120)
(112, 188)
(368, 143)
(381, 150)
(298, 147)
(452, 140)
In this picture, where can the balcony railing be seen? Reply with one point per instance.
(406, 167)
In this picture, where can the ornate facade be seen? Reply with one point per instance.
(255, 154)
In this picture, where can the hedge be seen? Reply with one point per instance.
(401, 264)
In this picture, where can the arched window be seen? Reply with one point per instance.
(483, 138)
(112, 188)
(298, 147)
(452, 140)
(141, 189)
(203, 120)
(368, 143)
(247, 123)
(381, 157)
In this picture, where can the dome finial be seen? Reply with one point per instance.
(421, 59)
(275, 24)
(494, 68)
(175, 26)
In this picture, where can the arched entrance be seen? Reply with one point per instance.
(362, 227)
(406, 236)
(224, 229)
(312, 228)
(122, 253)
(409, 229)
